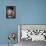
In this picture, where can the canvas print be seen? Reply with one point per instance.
(30, 35)
(11, 12)
(33, 32)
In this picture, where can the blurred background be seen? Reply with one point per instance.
(27, 12)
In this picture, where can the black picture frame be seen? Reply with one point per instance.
(10, 12)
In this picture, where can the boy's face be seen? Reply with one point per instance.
(10, 12)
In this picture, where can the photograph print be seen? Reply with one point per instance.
(11, 12)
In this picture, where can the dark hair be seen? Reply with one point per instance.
(10, 7)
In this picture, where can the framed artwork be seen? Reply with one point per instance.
(10, 12)
(32, 32)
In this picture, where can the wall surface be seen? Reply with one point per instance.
(27, 12)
